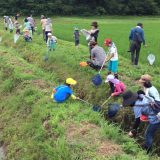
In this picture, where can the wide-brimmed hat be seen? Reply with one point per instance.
(71, 81)
(145, 78)
(95, 24)
(129, 98)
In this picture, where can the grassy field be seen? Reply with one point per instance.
(34, 128)
(117, 28)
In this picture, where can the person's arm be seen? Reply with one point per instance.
(74, 97)
(143, 39)
(117, 90)
(131, 35)
(109, 56)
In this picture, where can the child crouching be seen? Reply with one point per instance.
(119, 87)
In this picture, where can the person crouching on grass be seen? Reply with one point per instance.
(98, 56)
(61, 93)
(119, 87)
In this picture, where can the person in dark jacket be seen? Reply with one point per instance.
(141, 106)
(136, 37)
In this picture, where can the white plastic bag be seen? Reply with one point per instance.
(86, 34)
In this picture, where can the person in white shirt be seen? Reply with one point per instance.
(149, 89)
(112, 57)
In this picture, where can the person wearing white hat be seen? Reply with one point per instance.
(51, 42)
(119, 87)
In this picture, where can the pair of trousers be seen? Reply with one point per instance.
(135, 50)
(150, 132)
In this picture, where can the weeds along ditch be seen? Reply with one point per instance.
(29, 118)
(64, 62)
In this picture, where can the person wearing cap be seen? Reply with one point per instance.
(51, 42)
(63, 92)
(76, 37)
(112, 57)
(136, 37)
(119, 87)
(148, 88)
(48, 28)
(43, 23)
(98, 56)
(141, 106)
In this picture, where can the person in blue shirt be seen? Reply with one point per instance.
(63, 92)
(142, 106)
(136, 38)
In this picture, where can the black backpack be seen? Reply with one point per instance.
(137, 37)
(155, 106)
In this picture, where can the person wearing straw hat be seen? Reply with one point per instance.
(63, 92)
(148, 88)
(141, 106)
(98, 56)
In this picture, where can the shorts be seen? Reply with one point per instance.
(113, 66)
(76, 42)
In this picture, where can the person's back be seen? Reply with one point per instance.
(31, 20)
(98, 54)
(153, 92)
(62, 93)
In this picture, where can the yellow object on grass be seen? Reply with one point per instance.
(73, 97)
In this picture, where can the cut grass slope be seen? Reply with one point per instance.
(34, 127)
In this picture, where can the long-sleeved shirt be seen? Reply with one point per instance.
(135, 33)
(119, 88)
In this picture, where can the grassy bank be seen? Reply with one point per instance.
(34, 127)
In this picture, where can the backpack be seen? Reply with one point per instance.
(155, 106)
(138, 37)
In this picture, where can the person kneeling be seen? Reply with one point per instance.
(98, 56)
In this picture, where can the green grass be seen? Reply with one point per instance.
(26, 84)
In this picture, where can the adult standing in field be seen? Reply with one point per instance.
(48, 28)
(98, 56)
(136, 38)
(32, 22)
(94, 31)
(43, 24)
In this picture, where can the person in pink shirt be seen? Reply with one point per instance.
(43, 24)
(119, 87)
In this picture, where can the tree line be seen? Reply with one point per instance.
(80, 7)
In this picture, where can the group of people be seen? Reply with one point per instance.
(140, 101)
